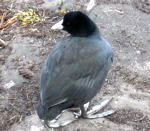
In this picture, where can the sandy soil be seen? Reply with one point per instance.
(124, 24)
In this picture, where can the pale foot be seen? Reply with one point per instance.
(65, 118)
(71, 115)
(92, 113)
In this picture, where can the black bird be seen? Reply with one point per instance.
(75, 70)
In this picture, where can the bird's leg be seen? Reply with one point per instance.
(83, 112)
(92, 113)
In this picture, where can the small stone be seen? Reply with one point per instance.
(138, 52)
(9, 84)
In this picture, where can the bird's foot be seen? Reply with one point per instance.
(65, 118)
(71, 115)
(92, 113)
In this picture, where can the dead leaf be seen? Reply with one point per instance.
(26, 73)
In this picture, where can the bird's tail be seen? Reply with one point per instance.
(48, 114)
(51, 113)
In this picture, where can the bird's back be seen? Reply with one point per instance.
(75, 71)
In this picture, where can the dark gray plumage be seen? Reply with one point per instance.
(75, 70)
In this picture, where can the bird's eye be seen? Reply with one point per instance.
(67, 23)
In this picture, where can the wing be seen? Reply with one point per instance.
(72, 74)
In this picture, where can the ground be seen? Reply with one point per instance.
(125, 24)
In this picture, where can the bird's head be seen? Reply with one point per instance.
(77, 24)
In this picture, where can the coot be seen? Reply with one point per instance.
(75, 70)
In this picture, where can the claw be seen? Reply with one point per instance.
(63, 119)
(103, 114)
(61, 123)
(99, 107)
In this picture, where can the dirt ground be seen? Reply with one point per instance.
(124, 23)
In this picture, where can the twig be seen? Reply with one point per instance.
(3, 43)
(115, 10)
(9, 22)
(11, 6)
(8, 98)
(12, 118)
(20, 118)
